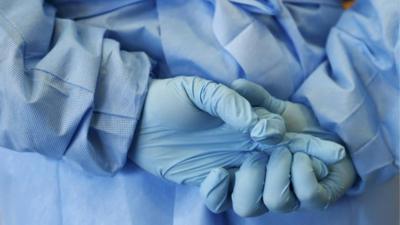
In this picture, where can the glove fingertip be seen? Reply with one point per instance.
(253, 92)
(214, 190)
(338, 152)
(327, 151)
(321, 170)
(268, 131)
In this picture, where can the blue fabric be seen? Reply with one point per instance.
(276, 44)
(51, 192)
(67, 91)
(362, 72)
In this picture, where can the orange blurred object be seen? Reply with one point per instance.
(347, 3)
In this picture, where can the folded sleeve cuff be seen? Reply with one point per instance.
(120, 92)
(378, 170)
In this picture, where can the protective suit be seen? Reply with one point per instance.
(350, 79)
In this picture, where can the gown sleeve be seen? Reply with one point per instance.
(66, 90)
(356, 91)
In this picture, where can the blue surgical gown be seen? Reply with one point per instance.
(74, 76)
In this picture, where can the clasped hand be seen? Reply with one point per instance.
(243, 147)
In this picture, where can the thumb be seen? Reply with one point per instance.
(315, 193)
(215, 190)
(223, 102)
(258, 96)
(327, 151)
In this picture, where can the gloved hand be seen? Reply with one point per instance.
(243, 188)
(313, 187)
(190, 126)
(298, 118)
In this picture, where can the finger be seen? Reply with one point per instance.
(262, 128)
(223, 102)
(341, 177)
(305, 183)
(298, 118)
(278, 196)
(319, 195)
(327, 151)
(215, 190)
(258, 96)
(249, 184)
(320, 169)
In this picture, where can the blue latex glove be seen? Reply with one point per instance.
(190, 126)
(311, 189)
(243, 188)
(298, 118)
